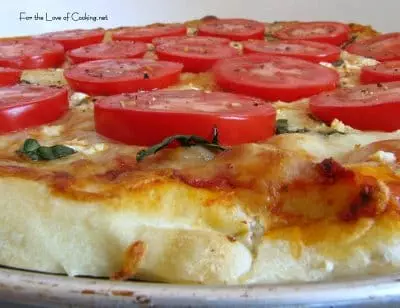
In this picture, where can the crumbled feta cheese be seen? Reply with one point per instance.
(327, 64)
(83, 147)
(383, 157)
(77, 98)
(339, 126)
(52, 130)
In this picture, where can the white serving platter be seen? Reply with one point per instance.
(58, 290)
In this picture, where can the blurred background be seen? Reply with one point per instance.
(22, 17)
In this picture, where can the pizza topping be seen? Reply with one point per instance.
(324, 32)
(147, 34)
(310, 51)
(203, 40)
(233, 29)
(274, 78)
(383, 157)
(23, 106)
(378, 105)
(31, 54)
(9, 76)
(385, 47)
(34, 151)
(109, 50)
(185, 141)
(147, 118)
(195, 56)
(72, 39)
(106, 77)
(383, 72)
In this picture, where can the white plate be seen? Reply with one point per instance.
(46, 289)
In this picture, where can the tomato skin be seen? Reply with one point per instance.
(191, 60)
(385, 47)
(382, 72)
(9, 76)
(72, 39)
(111, 50)
(323, 52)
(338, 32)
(91, 77)
(35, 54)
(236, 75)
(147, 34)
(141, 126)
(366, 107)
(254, 29)
(24, 114)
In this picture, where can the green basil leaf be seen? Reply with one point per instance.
(30, 145)
(34, 151)
(183, 140)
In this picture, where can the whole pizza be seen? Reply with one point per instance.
(218, 151)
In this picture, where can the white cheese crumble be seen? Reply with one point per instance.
(77, 98)
(383, 157)
(339, 126)
(52, 130)
(83, 146)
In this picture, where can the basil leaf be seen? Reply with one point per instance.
(337, 63)
(183, 140)
(282, 127)
(34, 151)
(30, 145)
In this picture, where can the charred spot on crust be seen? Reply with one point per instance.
(330, 170)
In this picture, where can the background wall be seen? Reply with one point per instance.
(15, 14)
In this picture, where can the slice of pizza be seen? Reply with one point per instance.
(219, 151)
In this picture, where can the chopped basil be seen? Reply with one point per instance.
(34, 151)
(185, 141)
(282, 127)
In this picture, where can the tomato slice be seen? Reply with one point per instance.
(107, 77)
(233, 29)
(109, 50)
(9, 76)
(72, 39)
(23, 106)
(195, 56)
(366, 107)
(146, 118)
(306, 50)
(31, 54)
(385, 47)
(274, 78)
(382, 72)
(203, 40)
(147, 34)
(334, 33)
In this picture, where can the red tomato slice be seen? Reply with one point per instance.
(146, 118)
(9, 76)
(366, 107)
(195, 56)
(23, 106)
(306, 50)
(233, 29)
(385, 47)
(72, 39)
(107, 77)
(334, 33)
(274, 78)
(31, 54)
(147, 34)
(203, 40)
(109, 50)
(382, 72)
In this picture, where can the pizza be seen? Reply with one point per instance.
(217, 151)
